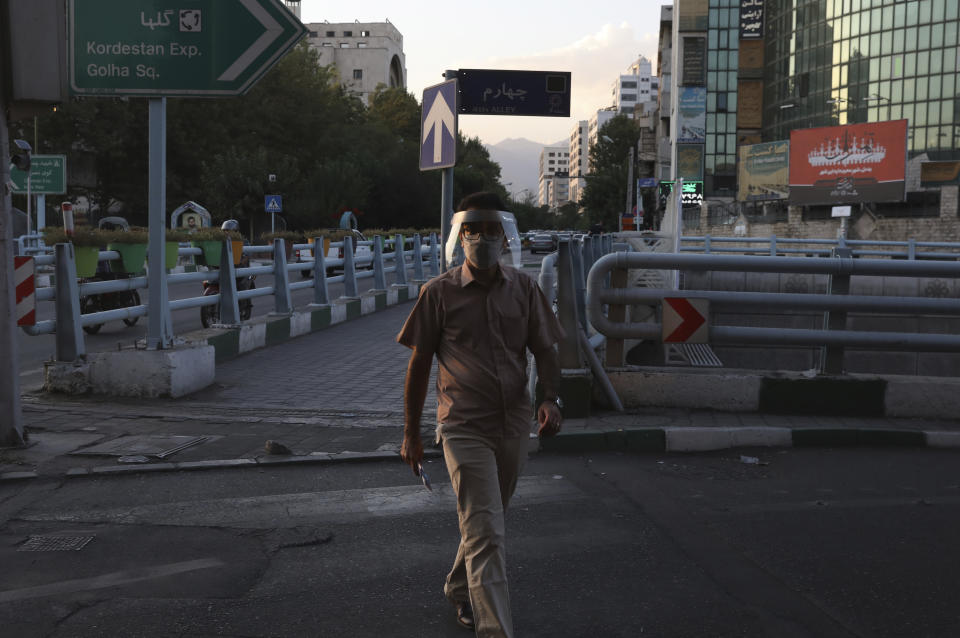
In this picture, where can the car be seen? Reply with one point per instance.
(543, 243)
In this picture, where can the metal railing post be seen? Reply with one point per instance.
(831, 357)
(282, 302)
(569, 348)
(400, 260)
(321, 294)
(434, 255)
(349, 270)
(229, 304)
(579, 279)
(379, 279)
(586, 253)
(706, 244)
(616, 312)
(912, 249)
(70, 345)
(417, 257)
(773, 245)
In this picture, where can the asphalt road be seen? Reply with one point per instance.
(811, 543)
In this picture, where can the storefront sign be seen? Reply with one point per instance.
(694, 62)
(763, 171)
(751, 19)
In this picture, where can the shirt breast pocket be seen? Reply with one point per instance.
(513, 330)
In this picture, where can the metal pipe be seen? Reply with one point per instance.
(598, 372)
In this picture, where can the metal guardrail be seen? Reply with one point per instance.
(835, 306)
(66, 291)
(910, 249)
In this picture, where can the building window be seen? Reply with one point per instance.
(628, 85)
(344, 45)
(358, 74)
(361, 45)
(327, 44)
(331, 34)
(364, 34)
(348, 34)
(314, 34)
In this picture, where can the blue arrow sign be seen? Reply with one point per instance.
(438, 126)
(273, 203)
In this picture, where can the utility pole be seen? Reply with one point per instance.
(628, 211)
(11, 414)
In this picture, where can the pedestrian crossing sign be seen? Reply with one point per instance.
(273, 203)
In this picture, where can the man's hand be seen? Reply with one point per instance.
(411, 451)
(549, 418)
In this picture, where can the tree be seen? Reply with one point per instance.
(605, 193)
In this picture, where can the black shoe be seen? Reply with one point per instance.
(465, 615)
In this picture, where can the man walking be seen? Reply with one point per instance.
(479, 319)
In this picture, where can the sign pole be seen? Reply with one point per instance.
(11, 415)
(159, 326)
(446, 214)
(41, 212)
(29, 207)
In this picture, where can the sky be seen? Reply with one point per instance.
(595, 41)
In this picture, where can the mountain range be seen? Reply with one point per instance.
(519, 160)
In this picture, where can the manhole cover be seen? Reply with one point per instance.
(54, 543)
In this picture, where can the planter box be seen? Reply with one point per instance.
(85, 258)
(171, 253)
(237, 252)
(211, 252)
(132, 257)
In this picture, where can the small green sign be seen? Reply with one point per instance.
(48, 176)
(155, 47)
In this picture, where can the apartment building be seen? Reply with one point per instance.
(579, 159)
(365, 54)
(554, 188)
(635, 86)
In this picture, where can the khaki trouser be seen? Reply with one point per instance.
(484, 474)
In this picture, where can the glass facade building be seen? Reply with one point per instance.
(829, 62)
(723, 45)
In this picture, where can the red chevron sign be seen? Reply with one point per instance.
(24, 282)
(685, 320)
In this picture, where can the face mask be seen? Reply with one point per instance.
(481, 252)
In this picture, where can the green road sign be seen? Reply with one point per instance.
(154, 47)
(48, 176)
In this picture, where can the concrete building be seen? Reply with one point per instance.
(554, 176)
(665, 95)
(365, 54)
(635, 86)
(579, 159)
(294, 6)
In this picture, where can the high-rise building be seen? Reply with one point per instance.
(554, 176)
(746, 72)
(634, 87)
(365, 54)
(294, 6)
(579, 160)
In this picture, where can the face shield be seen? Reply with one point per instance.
(512, 249)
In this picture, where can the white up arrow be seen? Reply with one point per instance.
(438, 116)
(273, 31)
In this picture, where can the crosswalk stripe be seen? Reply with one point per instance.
(339, 505)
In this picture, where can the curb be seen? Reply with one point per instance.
(700, 439)
(219, 464)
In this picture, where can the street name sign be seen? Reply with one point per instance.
(685, 320)
(48, 176)
(273, 203)
(438, 126)
(503, 92)
(213, 48)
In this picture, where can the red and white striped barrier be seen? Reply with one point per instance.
(25, 282)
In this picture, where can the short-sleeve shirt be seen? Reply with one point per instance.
(480, 335)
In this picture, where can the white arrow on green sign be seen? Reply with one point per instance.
(48, 176)
(164, 48)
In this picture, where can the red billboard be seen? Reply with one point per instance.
(849, 164)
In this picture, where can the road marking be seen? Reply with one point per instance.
(112, 579)
(293, 509)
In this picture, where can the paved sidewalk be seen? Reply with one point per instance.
(337, 395)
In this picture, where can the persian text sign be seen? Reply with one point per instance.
(160, 47)
(939, 173)
(504, 92)
(849, 164)
(751, 19)
(48, 176)
(764, 171)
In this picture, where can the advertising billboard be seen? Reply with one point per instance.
(692, 115)
(751, 19)
(690, 161)
(849, 164)
(763, 171)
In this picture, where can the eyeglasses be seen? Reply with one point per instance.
(487, 230)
